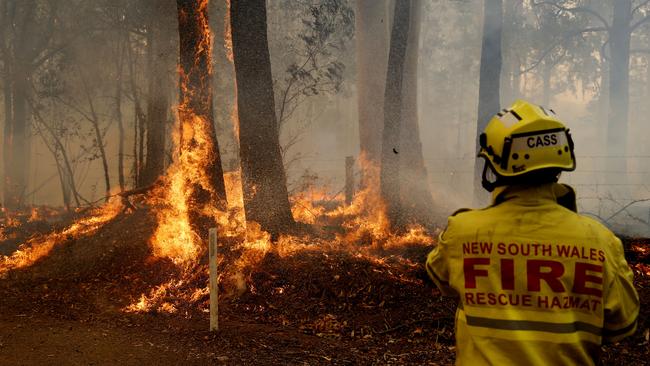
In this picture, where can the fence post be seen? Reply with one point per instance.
(214, 285)
(349, 179)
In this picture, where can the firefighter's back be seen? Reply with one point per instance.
(538, 283)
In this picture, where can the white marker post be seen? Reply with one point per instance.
(214, 285)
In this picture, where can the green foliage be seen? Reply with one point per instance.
(315, 61)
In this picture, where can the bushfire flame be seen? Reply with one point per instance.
(41, 246)
(363, 230)
(175, 238)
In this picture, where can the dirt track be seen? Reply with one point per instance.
(30, 340)
(37, 339)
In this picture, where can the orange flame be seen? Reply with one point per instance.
(362, 224)
(174, 237)
(38, 247)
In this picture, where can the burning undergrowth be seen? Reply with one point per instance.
(356, 231)
(40, 246)
(244, 249)
(187, 200)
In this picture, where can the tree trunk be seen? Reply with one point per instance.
(159, 86)
(393, 113)
(7, 136)
(119, 63)
(415, 197)
(65, 188)
(266, 200)
(489, 81)
(372, 57)
(17, 141)
(199, 149)
(619, 87)
(138, 117)
(99, 138)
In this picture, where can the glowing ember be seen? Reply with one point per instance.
(306, 207)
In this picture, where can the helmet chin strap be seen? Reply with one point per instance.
(485, 182)
(505, 181)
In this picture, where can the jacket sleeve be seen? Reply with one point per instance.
(438, 264)
(621, 299)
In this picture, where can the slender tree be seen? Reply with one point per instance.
(26, 32)
(159, 86)
(372, 38)
(489, 80)
(266, 200)
(619, 83)
(625, 21)
(415, 195)
(393, 107)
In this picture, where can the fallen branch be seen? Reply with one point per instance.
(124, 195)
(136, 191)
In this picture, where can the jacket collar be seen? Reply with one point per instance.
(561, 194)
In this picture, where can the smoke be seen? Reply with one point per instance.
(323, 129)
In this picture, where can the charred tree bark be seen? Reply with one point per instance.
(489, 81)
(393, 113)
(415, 195)
(372, 57)
(266, 200)
(138, 114)
(195, 112)
(159, 85)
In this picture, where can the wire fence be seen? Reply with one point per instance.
(616, 194)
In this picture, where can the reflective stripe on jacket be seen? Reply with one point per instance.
(538, 284)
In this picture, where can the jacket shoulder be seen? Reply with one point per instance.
(596, 225)
(460, 211)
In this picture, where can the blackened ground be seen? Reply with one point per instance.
(313, 307)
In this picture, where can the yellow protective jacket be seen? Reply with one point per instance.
(538, 284)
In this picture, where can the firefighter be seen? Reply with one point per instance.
(538, 284)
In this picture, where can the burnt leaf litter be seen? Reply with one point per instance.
(317, 306)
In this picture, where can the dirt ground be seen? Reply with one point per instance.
(310, 308)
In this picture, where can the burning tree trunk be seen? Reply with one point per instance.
(393, 106)
(415, 196)
(266, 200)
(489, 80)
(372, 56)
(198, 149)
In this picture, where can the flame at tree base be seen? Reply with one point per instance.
(360, 229)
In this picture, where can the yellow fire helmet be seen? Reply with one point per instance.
(522, 139)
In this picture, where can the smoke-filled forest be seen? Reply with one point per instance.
(260, 182)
